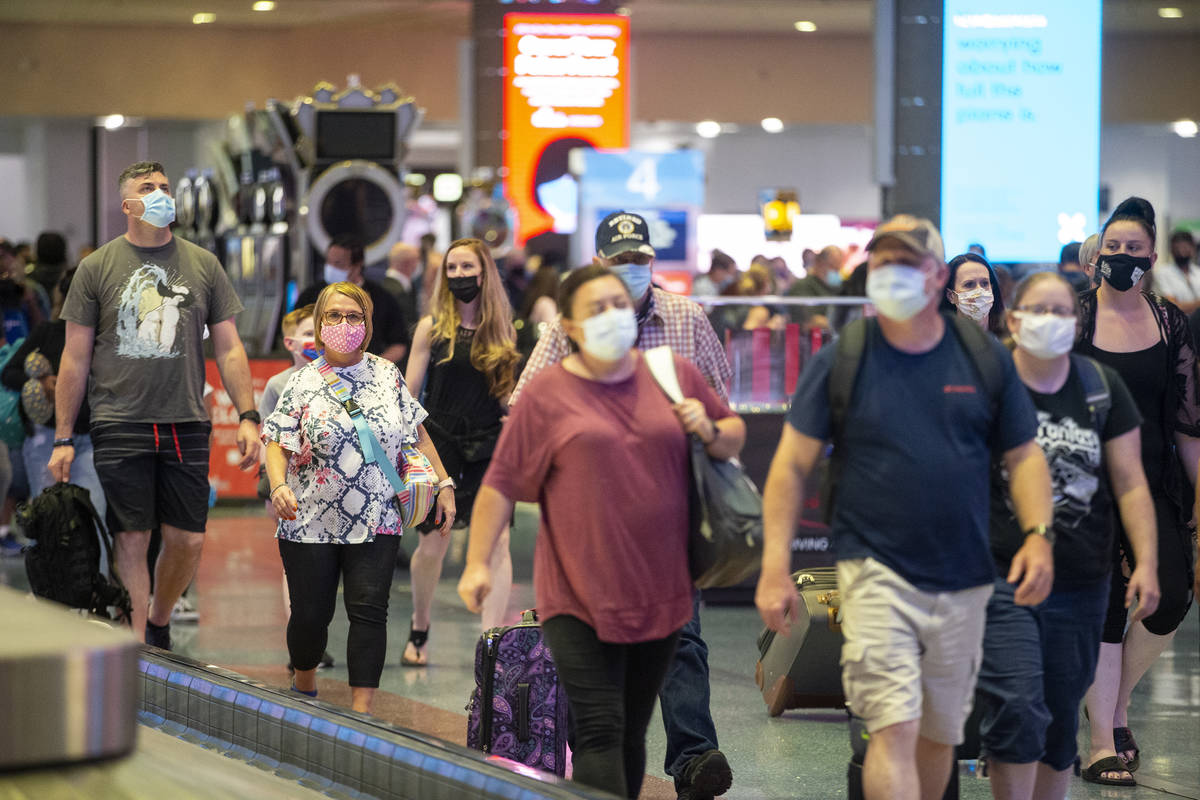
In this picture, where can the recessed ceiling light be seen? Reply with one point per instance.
(805, 26)
(708, 129)
(264, 5)
(203, 18)
(1170, 12)
(1187, 128)
(772, 124)
(113, 121)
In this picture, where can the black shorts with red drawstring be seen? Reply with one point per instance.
(153, 473)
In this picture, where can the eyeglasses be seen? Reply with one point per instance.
(1058, 311)
(336, 317)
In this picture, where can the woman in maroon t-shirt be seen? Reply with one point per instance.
(596, 443)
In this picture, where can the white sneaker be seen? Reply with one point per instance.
(184, 610)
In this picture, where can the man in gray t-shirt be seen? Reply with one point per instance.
(136, 314)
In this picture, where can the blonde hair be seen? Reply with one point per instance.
(355, 293)
(494, 347)
(294, 317)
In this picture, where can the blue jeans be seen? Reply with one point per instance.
(684, 698)
(1037, 664)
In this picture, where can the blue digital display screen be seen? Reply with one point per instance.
(1020, 126)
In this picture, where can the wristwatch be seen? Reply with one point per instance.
(447, 484)
(1044, 531)
(251, 415)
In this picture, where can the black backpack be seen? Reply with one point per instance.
(63, 563)
(851, 347)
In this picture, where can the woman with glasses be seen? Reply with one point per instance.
(337, 518)
(465, 356)
(1038, 661)
(1147, 341)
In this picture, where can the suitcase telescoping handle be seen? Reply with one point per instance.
(522, 712)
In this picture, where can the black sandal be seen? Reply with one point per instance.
(1095, 772)
(1124, 742)
(419, 639)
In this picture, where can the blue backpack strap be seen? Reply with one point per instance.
(1096, 390)
(373, 452)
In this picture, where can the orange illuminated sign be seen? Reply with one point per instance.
(566, 85)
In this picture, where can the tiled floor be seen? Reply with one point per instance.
(799, 755)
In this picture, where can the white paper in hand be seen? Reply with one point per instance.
(661, 363)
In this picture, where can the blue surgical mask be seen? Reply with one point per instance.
(636, 278)
(159, 208)
(834, 279)
(609, 335)
(335, 275)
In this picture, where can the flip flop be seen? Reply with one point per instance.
(418, 639)
(1095, 772)
(1124, 743)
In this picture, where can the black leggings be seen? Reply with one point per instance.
(611, 689)
(313, 571)
(1174, 576)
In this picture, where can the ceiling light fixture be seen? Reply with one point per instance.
(1170, 12)
(113, 121)
(203, 18)
(264, 5)
(772, 124)
(1186, 128)
(708, 129)
(805, 26)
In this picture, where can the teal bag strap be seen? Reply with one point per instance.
(372, 450)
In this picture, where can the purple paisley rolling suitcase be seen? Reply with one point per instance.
(518, 709)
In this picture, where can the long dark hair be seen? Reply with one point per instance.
(996, 315)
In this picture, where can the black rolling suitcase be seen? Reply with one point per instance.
(802, 669)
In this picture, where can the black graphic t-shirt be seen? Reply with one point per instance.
(1083, 503)
(148, 307)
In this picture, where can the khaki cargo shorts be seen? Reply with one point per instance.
(909, 654)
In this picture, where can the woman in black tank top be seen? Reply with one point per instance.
(465, 356)
(1148, 342)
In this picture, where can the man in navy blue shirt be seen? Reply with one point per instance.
(910, 522)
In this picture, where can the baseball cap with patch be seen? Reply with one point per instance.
(916, 233)
(621, 232)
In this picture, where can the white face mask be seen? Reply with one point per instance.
(609, 335)
(897, 291)
(976, 304)
(1044, 336)
(335, 275)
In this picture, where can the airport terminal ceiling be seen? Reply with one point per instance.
(651, 16)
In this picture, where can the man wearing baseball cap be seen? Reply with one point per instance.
(910, 517)
(623, 245)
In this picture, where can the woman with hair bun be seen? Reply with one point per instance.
(1146, 339)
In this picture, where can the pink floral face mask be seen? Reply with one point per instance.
(343, 337)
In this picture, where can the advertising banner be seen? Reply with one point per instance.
(566, 85)
(223, 472)
(1020, 126)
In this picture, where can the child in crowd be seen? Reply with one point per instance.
(300, 341)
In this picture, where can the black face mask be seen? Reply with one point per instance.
(1122, 271)
(464, 288)
(1183, 262)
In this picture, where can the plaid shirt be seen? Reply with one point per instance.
(671, 320)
